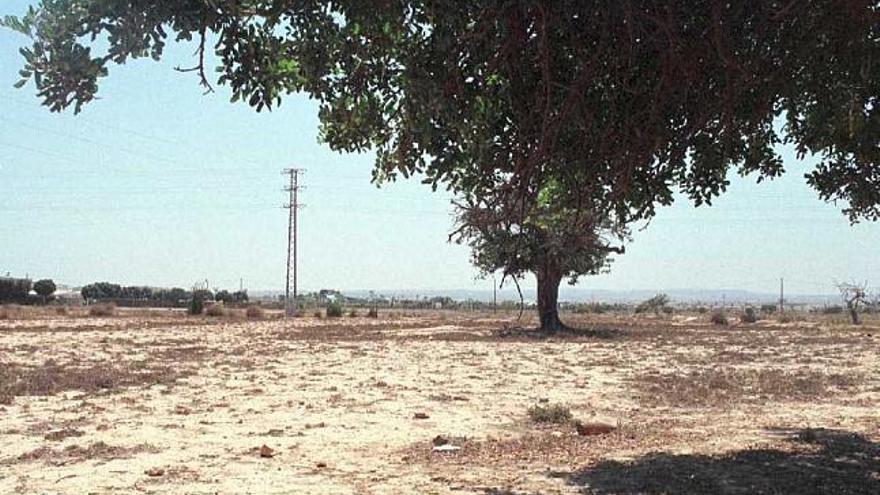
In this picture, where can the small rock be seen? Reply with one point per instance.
(440, 440)
(275, 432)
(591, 429)
(155, 472)
(266, 451)
(321, 465)
(420, 415)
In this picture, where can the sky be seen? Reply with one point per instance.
(156, 184)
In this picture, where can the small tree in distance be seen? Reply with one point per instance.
(854, 296)
(223, 296)
(655, 304)
(45, 288)
(555, 236)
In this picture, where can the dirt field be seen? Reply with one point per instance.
(163, 403)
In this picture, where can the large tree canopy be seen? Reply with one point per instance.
(653, 96)
(555, 122)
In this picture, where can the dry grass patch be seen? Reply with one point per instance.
(216, 310)
(59, 435)
(543, 447)
(255, 312)
(718, 387)
(75, 454)
(51, 378)
(102, 309)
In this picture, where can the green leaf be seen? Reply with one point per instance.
(20, 84)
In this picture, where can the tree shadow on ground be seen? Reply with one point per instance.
(602, 333)
(822, 462)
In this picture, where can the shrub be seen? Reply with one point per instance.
(352, 313)
(749, 316)
(196, 306)
(667, 310)
(102, 309)
(832, 310)
(768, 308)
(318, 314)
(197, 301)
(216, 310)
(373, 313)
(255, 312)
(718, 318)
(61, 310)
(334, 310)
(552, 413)
(702, 310)
(654, 304)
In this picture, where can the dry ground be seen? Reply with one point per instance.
(162, 403)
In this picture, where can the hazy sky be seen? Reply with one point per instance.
(156, 184)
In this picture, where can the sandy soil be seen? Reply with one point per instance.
(169, 404)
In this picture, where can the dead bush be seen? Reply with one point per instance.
(789, 317)
(718, 318)
(102, 309)
(216, 310)
(255, 312)
(551, 413)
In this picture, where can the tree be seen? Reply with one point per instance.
(99, 291)
(620, 102)
(45, 288)
(655, 304)
(223, 296)
(854, 296)
(655, 95)
(197, 302)
(554, 238)
(14, 289)
(240, 296)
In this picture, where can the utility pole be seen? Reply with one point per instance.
(293, 206)
(781, 295)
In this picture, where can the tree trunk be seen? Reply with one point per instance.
(854, 314)
(548, 296)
